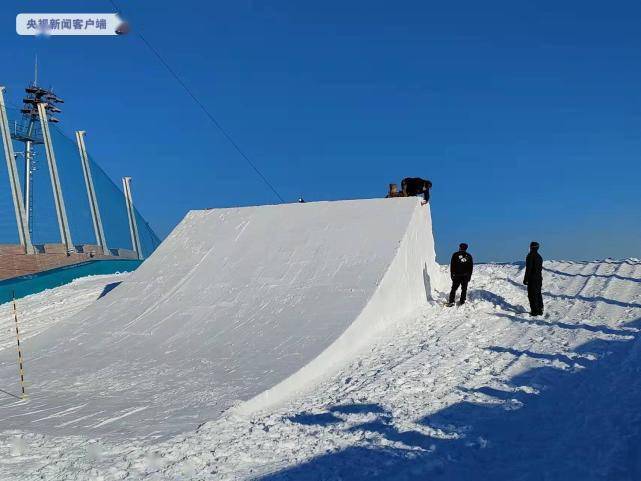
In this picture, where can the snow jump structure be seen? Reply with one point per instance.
(247, 304)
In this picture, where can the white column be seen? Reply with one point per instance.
(131, 213)
(28, 161)
(91, 192)
(14, 181)
(27, 177)
(59, 201)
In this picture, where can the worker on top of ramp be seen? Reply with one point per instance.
(412, 186)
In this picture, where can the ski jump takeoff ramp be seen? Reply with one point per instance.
(247, 304)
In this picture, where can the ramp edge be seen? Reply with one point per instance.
(409, 282)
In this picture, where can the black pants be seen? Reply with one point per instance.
(535, 296)
(457, 281)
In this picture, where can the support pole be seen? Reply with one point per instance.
(131, 213)
(27, 179)
(91, 192)
(28, 162)
(16, 190)
(59, 201)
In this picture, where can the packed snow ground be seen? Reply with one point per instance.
(483, 391)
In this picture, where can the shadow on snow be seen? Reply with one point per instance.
(600, 276)
(577, 417)
(582, 422)
(108, 288)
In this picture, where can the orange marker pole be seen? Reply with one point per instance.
(20, 363)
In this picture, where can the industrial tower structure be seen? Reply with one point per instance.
(31, 128)
(29, 132)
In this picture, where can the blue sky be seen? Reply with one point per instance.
(525, 115)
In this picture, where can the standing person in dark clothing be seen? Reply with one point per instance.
(461, 268)
(534, 279)
(412, 186)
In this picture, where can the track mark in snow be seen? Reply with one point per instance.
(77, 420)
(60, 414)
(122, 416)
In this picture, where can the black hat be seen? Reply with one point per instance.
(534, 245)
(463, 246)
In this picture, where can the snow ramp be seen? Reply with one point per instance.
(247, 304)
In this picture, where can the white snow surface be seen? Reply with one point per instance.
(478, 392)
(45, 309)
(481, 391)
(244, 304)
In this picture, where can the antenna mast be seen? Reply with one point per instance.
(28, 132)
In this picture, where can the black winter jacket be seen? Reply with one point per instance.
(461, 265)
(533, 267)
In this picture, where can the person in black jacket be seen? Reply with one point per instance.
(534, 279)
(412, 186)
(461, 268)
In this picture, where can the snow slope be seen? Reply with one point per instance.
(39, 312)
(482, 392)
(237, 304)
